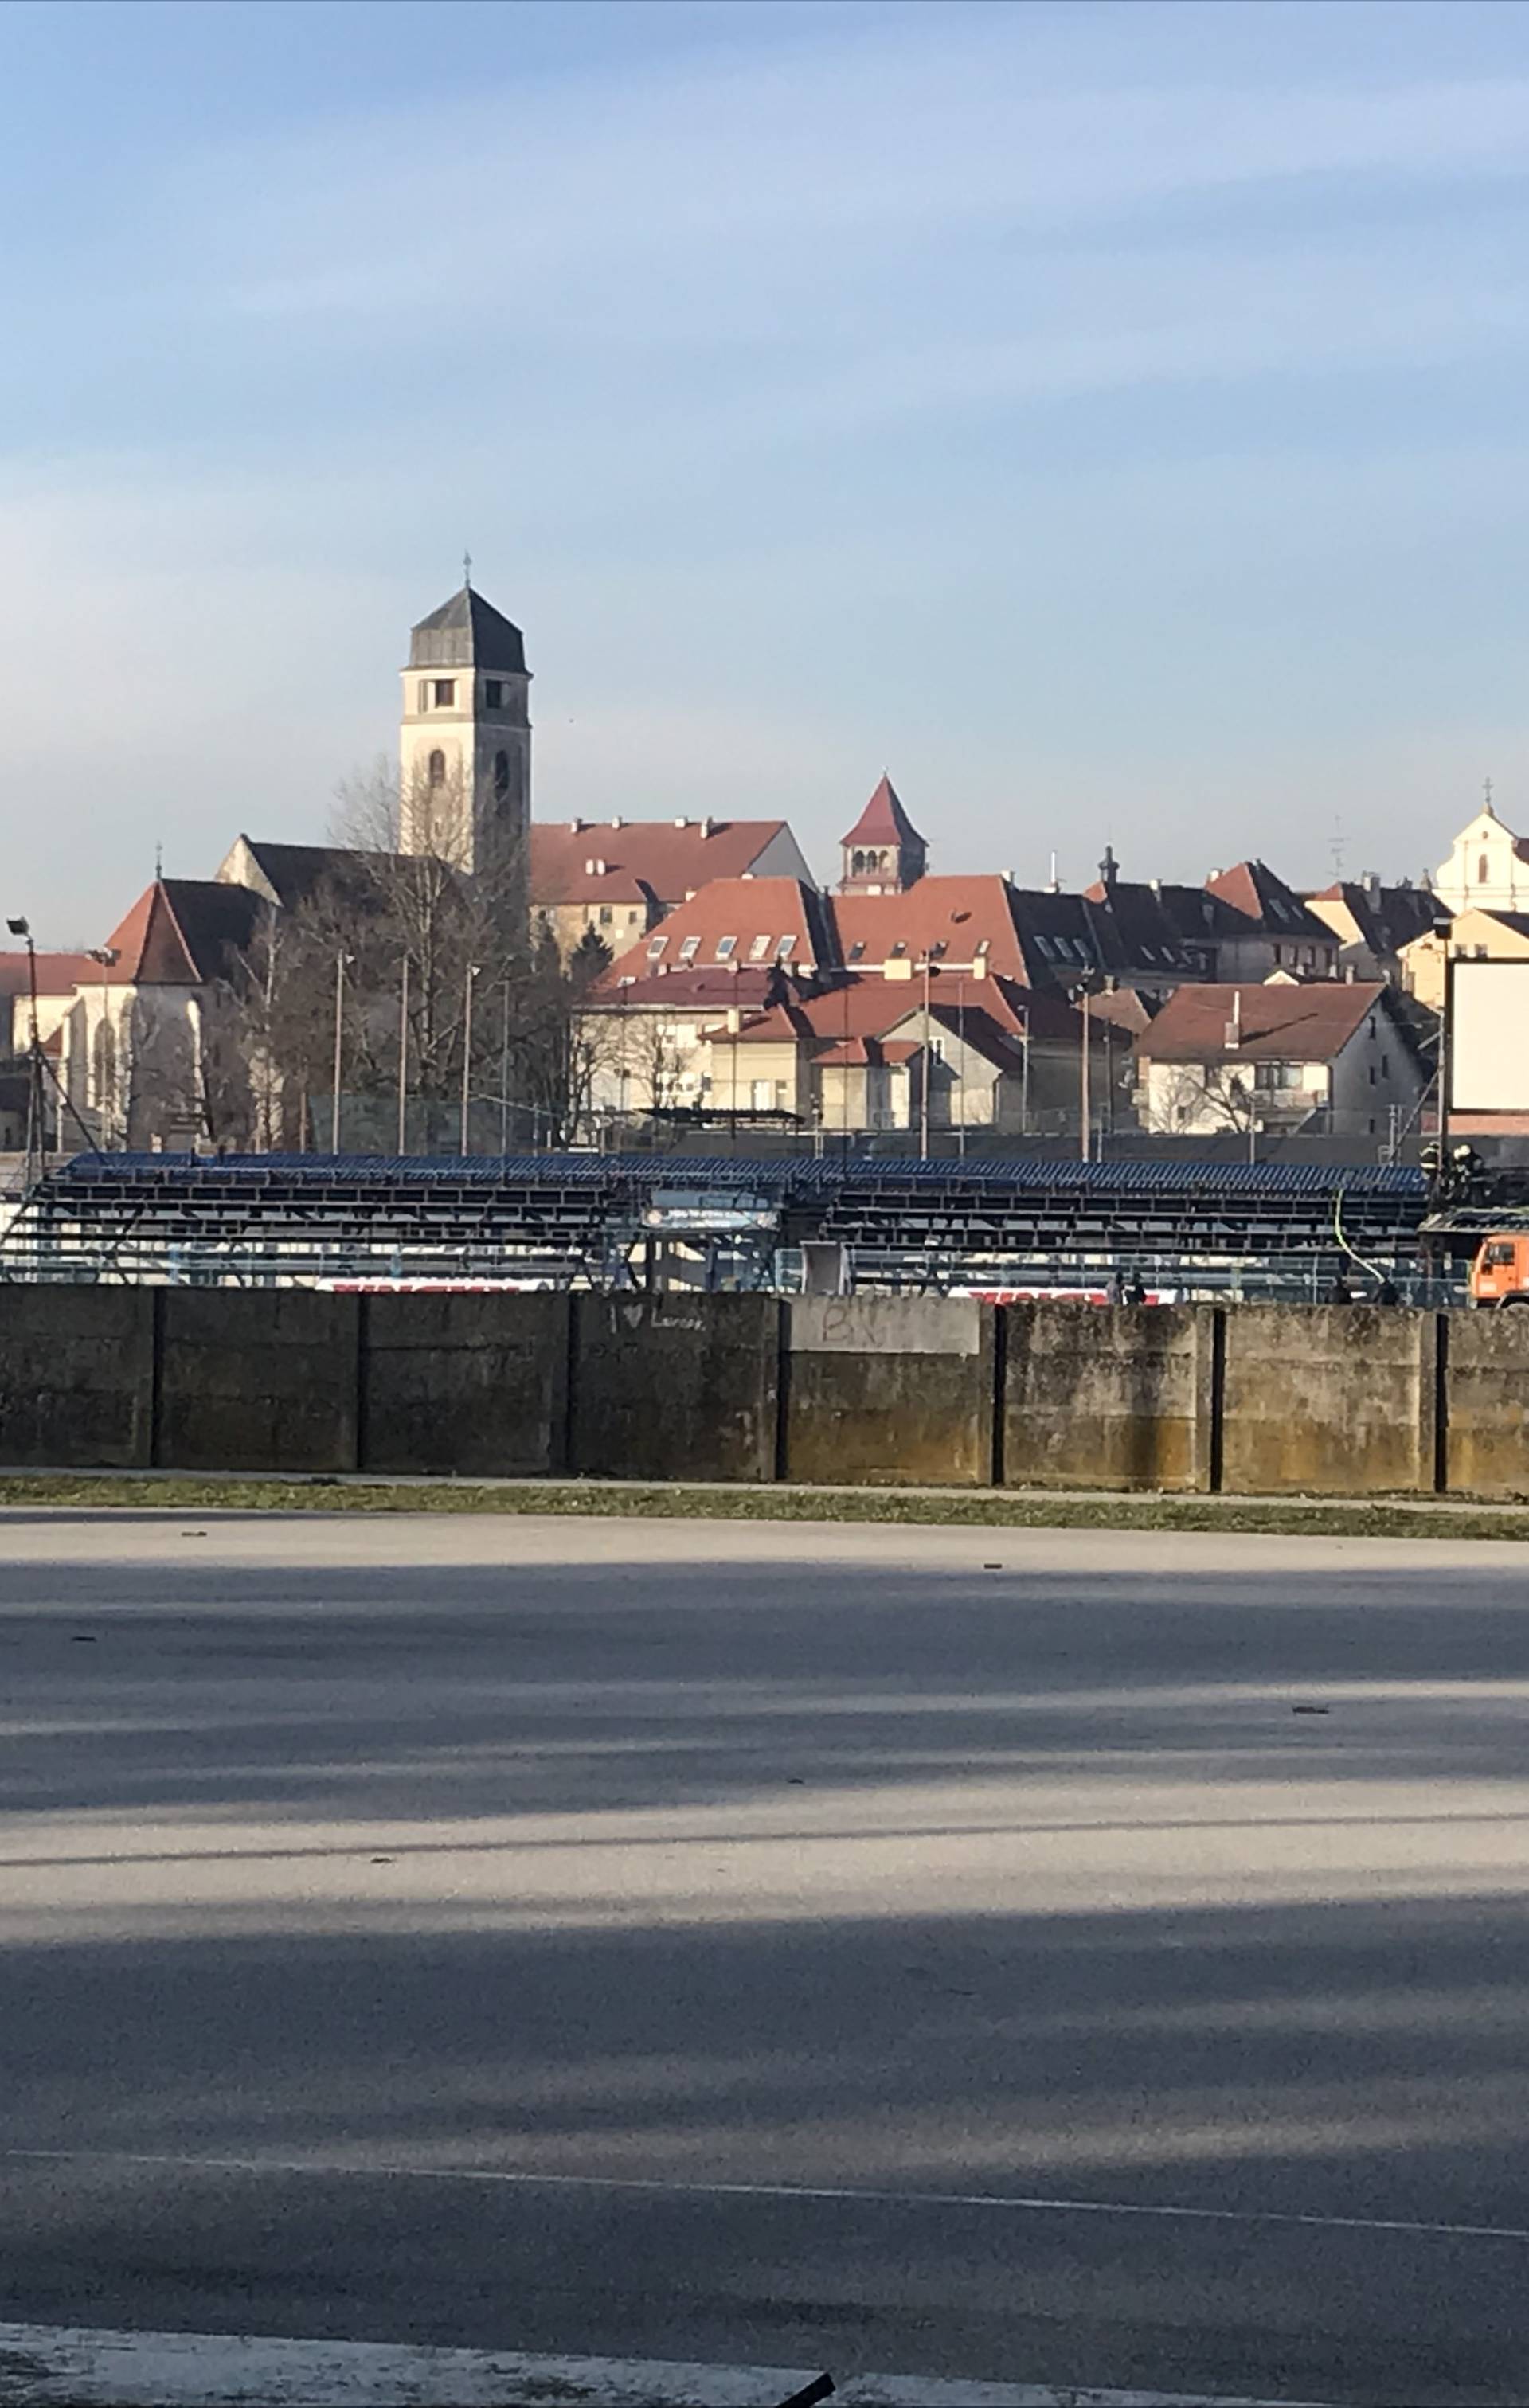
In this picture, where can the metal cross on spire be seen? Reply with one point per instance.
(466, 568)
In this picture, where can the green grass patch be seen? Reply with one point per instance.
(981, 1509)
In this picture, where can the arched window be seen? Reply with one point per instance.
(857, 865)
(500, 776)
(436, 769)
(1483, 870)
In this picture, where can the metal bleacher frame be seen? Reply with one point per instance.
(574, 1218)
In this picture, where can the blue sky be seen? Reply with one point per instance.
(1110, 419)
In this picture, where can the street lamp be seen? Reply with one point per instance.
(34, 1086)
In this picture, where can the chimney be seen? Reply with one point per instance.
(574, 825)
(1156, 885)
(681, 822)
(618, 823)
(1233, 1026)
(705, 826)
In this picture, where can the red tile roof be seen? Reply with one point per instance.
(711, 990)
(883, 821)
(1280, 1024)
(759, 914)
(629, 861)
(953, 918)
(57, 973)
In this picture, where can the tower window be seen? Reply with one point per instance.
(435, 769)
(493, 694)
(445, 693)
(424, 693)
(501, 775)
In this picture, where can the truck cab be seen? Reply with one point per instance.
(1500, 1273)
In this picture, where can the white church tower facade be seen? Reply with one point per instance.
(465, 749)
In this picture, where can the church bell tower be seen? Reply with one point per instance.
(464, 750)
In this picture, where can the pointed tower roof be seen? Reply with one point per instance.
(467, 632)
(883, 821)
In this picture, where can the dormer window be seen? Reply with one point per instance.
(758, 950)
(857, 948)
(899, 948)
(689, 950)
(655, 951)
(726, 948)
(785, 949)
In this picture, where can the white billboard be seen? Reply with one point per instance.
(1489, 1037)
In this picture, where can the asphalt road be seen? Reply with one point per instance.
(775, 1943)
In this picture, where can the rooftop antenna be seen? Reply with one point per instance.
(159, 862)
(1335, 846)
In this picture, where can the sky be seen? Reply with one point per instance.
(1109, 420)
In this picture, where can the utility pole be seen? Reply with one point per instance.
(504, 1075)
(1085, 1099)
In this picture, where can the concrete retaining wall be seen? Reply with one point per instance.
(674, 1387)
(1260, 1399)
(472, 1385)
(1331, 1401)
(258, 1382)
(1116, 1399)
(77, 1376)
(1486, 1386)
(889, 1390)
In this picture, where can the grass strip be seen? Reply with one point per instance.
(980, 1509)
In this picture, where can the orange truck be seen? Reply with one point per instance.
(1500, 1273)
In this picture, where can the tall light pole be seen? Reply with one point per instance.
(504, 1075)
(402, 1061)
(33, 1085)
(1084, 1096)
(340, 962)
(108, 956)
(923, 1083)
(467, 1049)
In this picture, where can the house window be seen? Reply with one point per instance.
(493, 695)
(1372, 1074)
(435, 769)
(1277, 957)
(764, 1094)
(689, 950)
(444, 692)
(726, 948)
(1385, 1065)
(758, 950)
(500, 776)
(785, 949)
(656, 948)
(606, 915)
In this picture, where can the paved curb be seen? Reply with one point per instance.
(65, 2364)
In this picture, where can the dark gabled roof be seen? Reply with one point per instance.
(1253, 890)
(294, 871)
(184, 932)
(467, 632)
(1386, 917)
